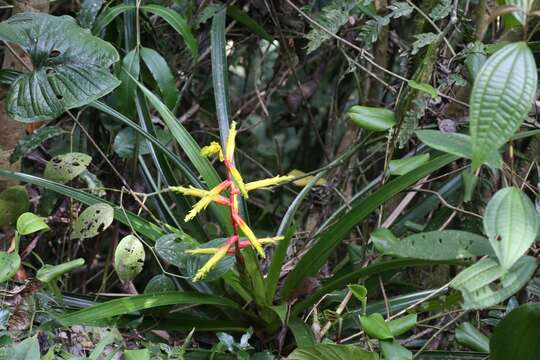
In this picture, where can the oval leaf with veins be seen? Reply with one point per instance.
(93, 221)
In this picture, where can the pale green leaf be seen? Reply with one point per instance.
(66, 167)
(468, 335)
(372, 118)
(29, 223)
(92, 221)
(501, 97)
(27, 349)
(524, 9)
(140, 354)
(129, 258)
(426, 88)
(456, 144)
(402, 324)
(433, 245)
(408, 164)
(393, 350)
(50, 273)
(511, 224)
(376, 327)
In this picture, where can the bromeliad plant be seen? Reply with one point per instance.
(235, 186)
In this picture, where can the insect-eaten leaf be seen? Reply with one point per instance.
(9, 264)
(372, 118)
(408, 164)
(29, 223)
(66, 167)
(129, 258)
(92, 221)
(70, 66)
(486, 283)
(501, 97)
(13, 202)
(432, 245)
(511, 224)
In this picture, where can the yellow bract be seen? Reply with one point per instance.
(210, 264)
(267, 182)
(210, 196)
(229, 149)
(212, 149)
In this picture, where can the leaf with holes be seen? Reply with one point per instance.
(9, 264)
(66, 167)
(511, 224)
(486, 283)
(501, 97)
(70, 66)
(195, 262)
(92, 221)
(13, 202)
(433, 245)
(129, 258)
(32, 141)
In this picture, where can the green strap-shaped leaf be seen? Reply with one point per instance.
(70, 66)
(456, 144)
(407, 164)
(468, 335)
(433, 245)
(162, 74)
(332, 352)
(511, 224)
(140, 302)
(501, 98)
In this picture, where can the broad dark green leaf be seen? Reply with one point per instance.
(70, 66)
(162, 74)
(501, 97)
(303, 336)
(159, 283)
(125, 94)
(326, 242)
(13, 203)
(372, 118)
(29, 223)
(88, 12)
(332, 352)
(129, 258)
(50, 273)
(468, 335)
(33, 140)
(511, 224)
(172, 248)
(66, 167)
(135, 303)
(9, 264)
(92, 221)
(402, 324)
(456, 144)
(486, 283)
(433, 245)
(516, 336)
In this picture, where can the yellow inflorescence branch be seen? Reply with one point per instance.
(235, 185)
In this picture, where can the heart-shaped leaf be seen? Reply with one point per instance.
(195, 262)
(66, 167)
(511, 223)
(375, 326)
(501, 97)
(29, 223)
(172, 248)
(93, 220)
(70, 66)
(159, 283)
(129, 258)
